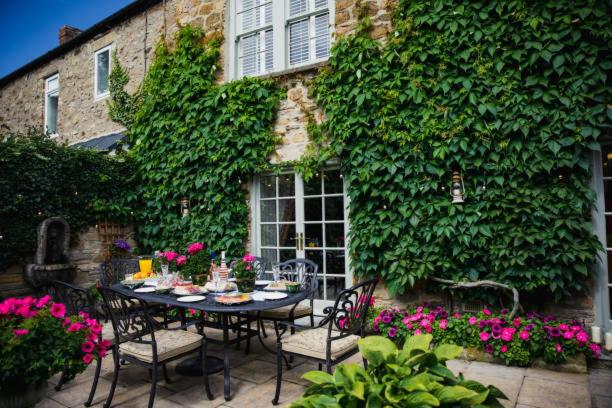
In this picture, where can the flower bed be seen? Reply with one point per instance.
(516, 341)
(38, 340)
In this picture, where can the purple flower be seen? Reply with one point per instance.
(123, 245)
(504, 311)
(489, 348)
(529, 326)
(496, 335)
(392, 331)
(386, 319)
(554, 331)
(496, 328)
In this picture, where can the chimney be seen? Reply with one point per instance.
(67, 33)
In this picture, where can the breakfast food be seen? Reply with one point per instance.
(188, 289)
(278, 285)
(143, 275)
(233, 298)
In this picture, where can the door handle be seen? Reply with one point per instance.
(302, 240)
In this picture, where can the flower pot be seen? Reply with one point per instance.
(21, 395)
(245, 285)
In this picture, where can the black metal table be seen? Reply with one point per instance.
(209, 305)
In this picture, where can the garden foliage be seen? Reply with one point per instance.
(415, 376)
(512, 95)
(196, 138)
(41, 178)
(516, 341)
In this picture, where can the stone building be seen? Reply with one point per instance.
(66, 90)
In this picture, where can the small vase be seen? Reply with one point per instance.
(245, 285)
(164, 269)
(22, 395)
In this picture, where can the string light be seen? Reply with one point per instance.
(39, 213)
(384, 207)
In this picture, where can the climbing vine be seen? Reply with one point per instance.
(201, 140)
(122, 106)
(512, 95)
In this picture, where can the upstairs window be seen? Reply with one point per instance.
(51, 104)
(275, 35)
(102, 67)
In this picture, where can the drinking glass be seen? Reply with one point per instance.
(216, 277)
(275, 271)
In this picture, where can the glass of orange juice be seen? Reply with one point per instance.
(145, 264)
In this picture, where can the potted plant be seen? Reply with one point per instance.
(195, 264)
(245, 274)
(37, 341)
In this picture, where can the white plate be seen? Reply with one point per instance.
(146, 289)
(262, 282)
(275, 295)
(196, 298)
(187, 294)
(150, 283)
(258, 296)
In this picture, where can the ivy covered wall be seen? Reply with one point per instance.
(194, 138)
(512, 94)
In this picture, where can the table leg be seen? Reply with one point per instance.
(226, 361)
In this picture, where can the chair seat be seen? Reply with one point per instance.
(300, 310)
(170, 343)
(312, 343)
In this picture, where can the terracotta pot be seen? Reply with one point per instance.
(22, 395)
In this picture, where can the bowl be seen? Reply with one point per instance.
(293, 287)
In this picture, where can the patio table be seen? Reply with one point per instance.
(209, 305)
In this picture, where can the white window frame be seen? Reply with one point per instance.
(109, 48)
(280, 27)
(48, 93)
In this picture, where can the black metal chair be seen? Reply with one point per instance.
(77, 299)
(305, 272)
(335, 338)
(115, 270)
(143, 341)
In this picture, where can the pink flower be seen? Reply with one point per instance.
(472, 320)
(443, 324)
(102, 353)
(195, 248)
(43, 301)
(486, 311)
(409, 326)
(74, 327)
(104, 344)
(428, 329)
(595, 349)
(582, 337)
(503, 349)
(58, 310)
(563, 326)
(524, 335)
(96, 328)
(417, 332)
(248, 257)
(457, 315)
(568, 335)
(87, 347)
(170, 256)
(66, 321)
(507, 334)
(558, 347)
(181, 260)
(575, 328)
(88, 358)
(20, 332)
(84, 315)
(516, 322)
(392, 331)
(484, 336)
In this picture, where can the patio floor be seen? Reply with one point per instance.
(253, 382)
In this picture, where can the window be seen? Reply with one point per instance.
(275, 35)
(51, 104)
(102, 67)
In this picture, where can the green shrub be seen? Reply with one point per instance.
(40, 178)
(412, 377)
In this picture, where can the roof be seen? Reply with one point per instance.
(120, 16)
(104, 143)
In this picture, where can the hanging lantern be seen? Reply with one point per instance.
(185, 207)
(457, 189)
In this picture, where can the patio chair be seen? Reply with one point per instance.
(334, 339)
(115, 270)
(305, 272)
(77, 299)
(143, 341)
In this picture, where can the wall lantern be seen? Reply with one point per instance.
(185, 207)
(457, 190)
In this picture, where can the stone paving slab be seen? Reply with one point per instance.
(253, 379)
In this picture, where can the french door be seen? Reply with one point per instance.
(298, 219)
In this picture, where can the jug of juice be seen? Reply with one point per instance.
(146, 265)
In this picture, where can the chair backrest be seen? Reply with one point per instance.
(303, 271)
(260, 265)
(115, 270)
(129, 316)
(74, 297)
(349, 312)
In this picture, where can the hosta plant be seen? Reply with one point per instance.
(415, 376)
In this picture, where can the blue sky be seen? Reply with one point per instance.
(30, 27)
